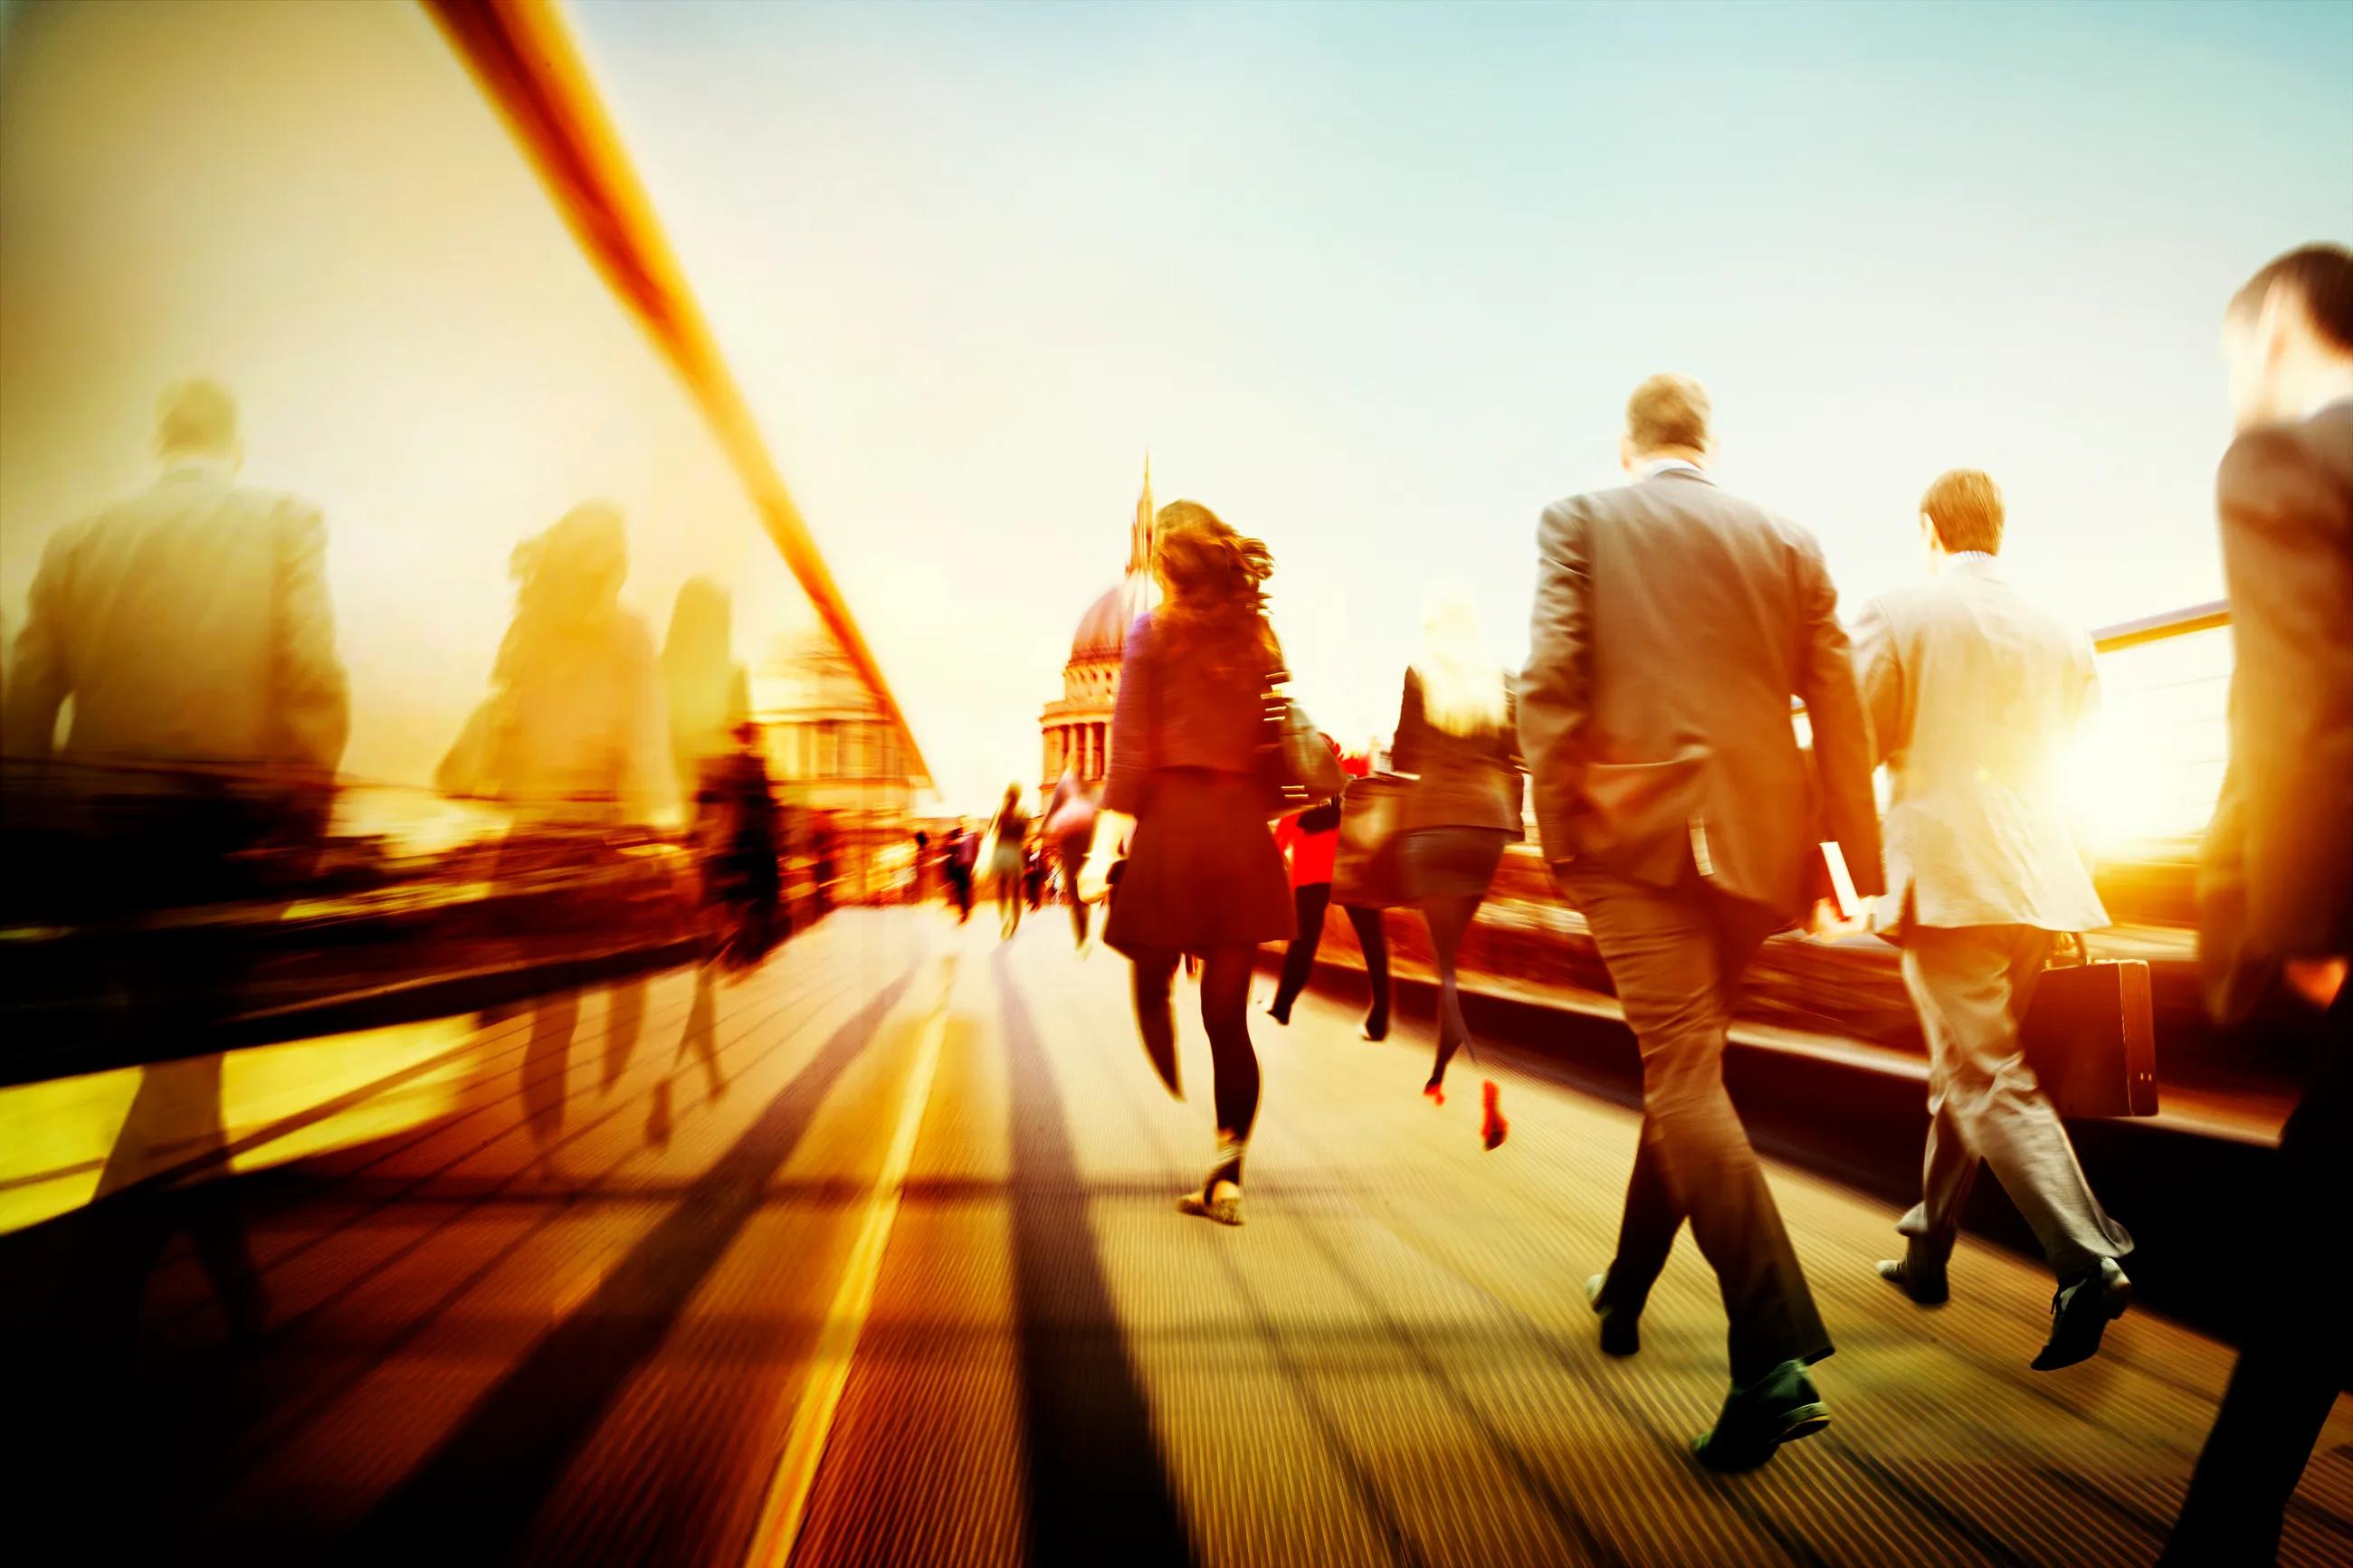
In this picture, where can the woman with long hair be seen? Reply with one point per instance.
(1202, 877)
(1458, 733)
(1009, 833)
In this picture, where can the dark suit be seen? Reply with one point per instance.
(2278, 864)
(1673, 624)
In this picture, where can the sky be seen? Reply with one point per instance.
(1372, 281)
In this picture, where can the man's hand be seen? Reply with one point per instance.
(1824, 923)
(2316, 980)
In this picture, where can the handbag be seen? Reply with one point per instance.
(1364, 863)
(1296, 767)
(2089, 1034)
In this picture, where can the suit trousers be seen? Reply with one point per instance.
(1675, 955)
(2297, 1354)
(1971, 985)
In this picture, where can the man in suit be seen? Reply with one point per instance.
(1672, 624)
(1974, 696)
(2275, 895)
(190, 624)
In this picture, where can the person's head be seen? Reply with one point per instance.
(196, 418)
(2287, 336)
(1212, 577)
(1962, 510)
(1666, 418)
(1461, 684)
(746, 733)
(577, 567)
(1013, 794)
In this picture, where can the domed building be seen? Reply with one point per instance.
(1077, 727)
(839, 763)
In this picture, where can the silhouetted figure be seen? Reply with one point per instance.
(1008, 831)
(1458, 734)
(574, 742)
(1307, 841)
(2275, 915)
(1202, 876)
(1672, 624)
(963, 854)
(1974, 696)
(1070, 829)
(191, 626)
(706, 694)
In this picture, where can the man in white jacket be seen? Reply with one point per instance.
(1974, 696)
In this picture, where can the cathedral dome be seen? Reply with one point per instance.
(1102, 631)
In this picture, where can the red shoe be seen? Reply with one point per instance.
(1491, 1125)
(1435, 1091)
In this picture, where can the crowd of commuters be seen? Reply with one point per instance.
(1673, 624)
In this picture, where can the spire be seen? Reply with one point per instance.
(1139, 538)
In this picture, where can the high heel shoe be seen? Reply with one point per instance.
(1435, 1091)
(1491, 1125)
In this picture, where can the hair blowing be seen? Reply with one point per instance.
(1214, 614)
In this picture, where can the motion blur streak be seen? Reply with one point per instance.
(277, 1103)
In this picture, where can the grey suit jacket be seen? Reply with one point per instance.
(1974, 696)
(2276, 877)
(1673, 624)
(189, 624)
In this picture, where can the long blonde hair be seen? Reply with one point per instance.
(1461, 685)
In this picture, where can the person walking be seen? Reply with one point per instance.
(2275, 883)
(1974, 696)
(190, 628)
(1202, 875)
(1458, 735)
(1007, 866)
(1070, 827)
(1672, 624)
(1309, 841)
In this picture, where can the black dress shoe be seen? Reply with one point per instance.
(1377, 1026)
(1779, 1407)
(2081, 1312)
(1920, 1275)
(1622, 1328)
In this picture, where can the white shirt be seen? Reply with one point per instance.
(1652, 470)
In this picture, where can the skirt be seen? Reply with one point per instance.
(1203, 871)
(1443, 862)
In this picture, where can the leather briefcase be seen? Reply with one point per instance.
(2091, 1041)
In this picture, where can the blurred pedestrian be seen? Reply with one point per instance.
(1007, 865)
(2276, 894)
(1975, 696)
(957, 865)
(574, 742)
(1672, 624)
(1457, 733)
(1070, 826)
(1202, 876)
(1307, 840)
(190, 626)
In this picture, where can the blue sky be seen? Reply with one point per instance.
(1374, 282)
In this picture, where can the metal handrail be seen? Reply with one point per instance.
(2164, 624)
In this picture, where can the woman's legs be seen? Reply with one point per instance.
(1155, 1018)
(1008, 902)
(1225, 1015)
(1448, 915)
(1308, 903)
(1373, 938)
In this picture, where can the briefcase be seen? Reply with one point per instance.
(2089, 1037)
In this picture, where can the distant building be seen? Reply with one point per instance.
(838, 757)
(1078, 725)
